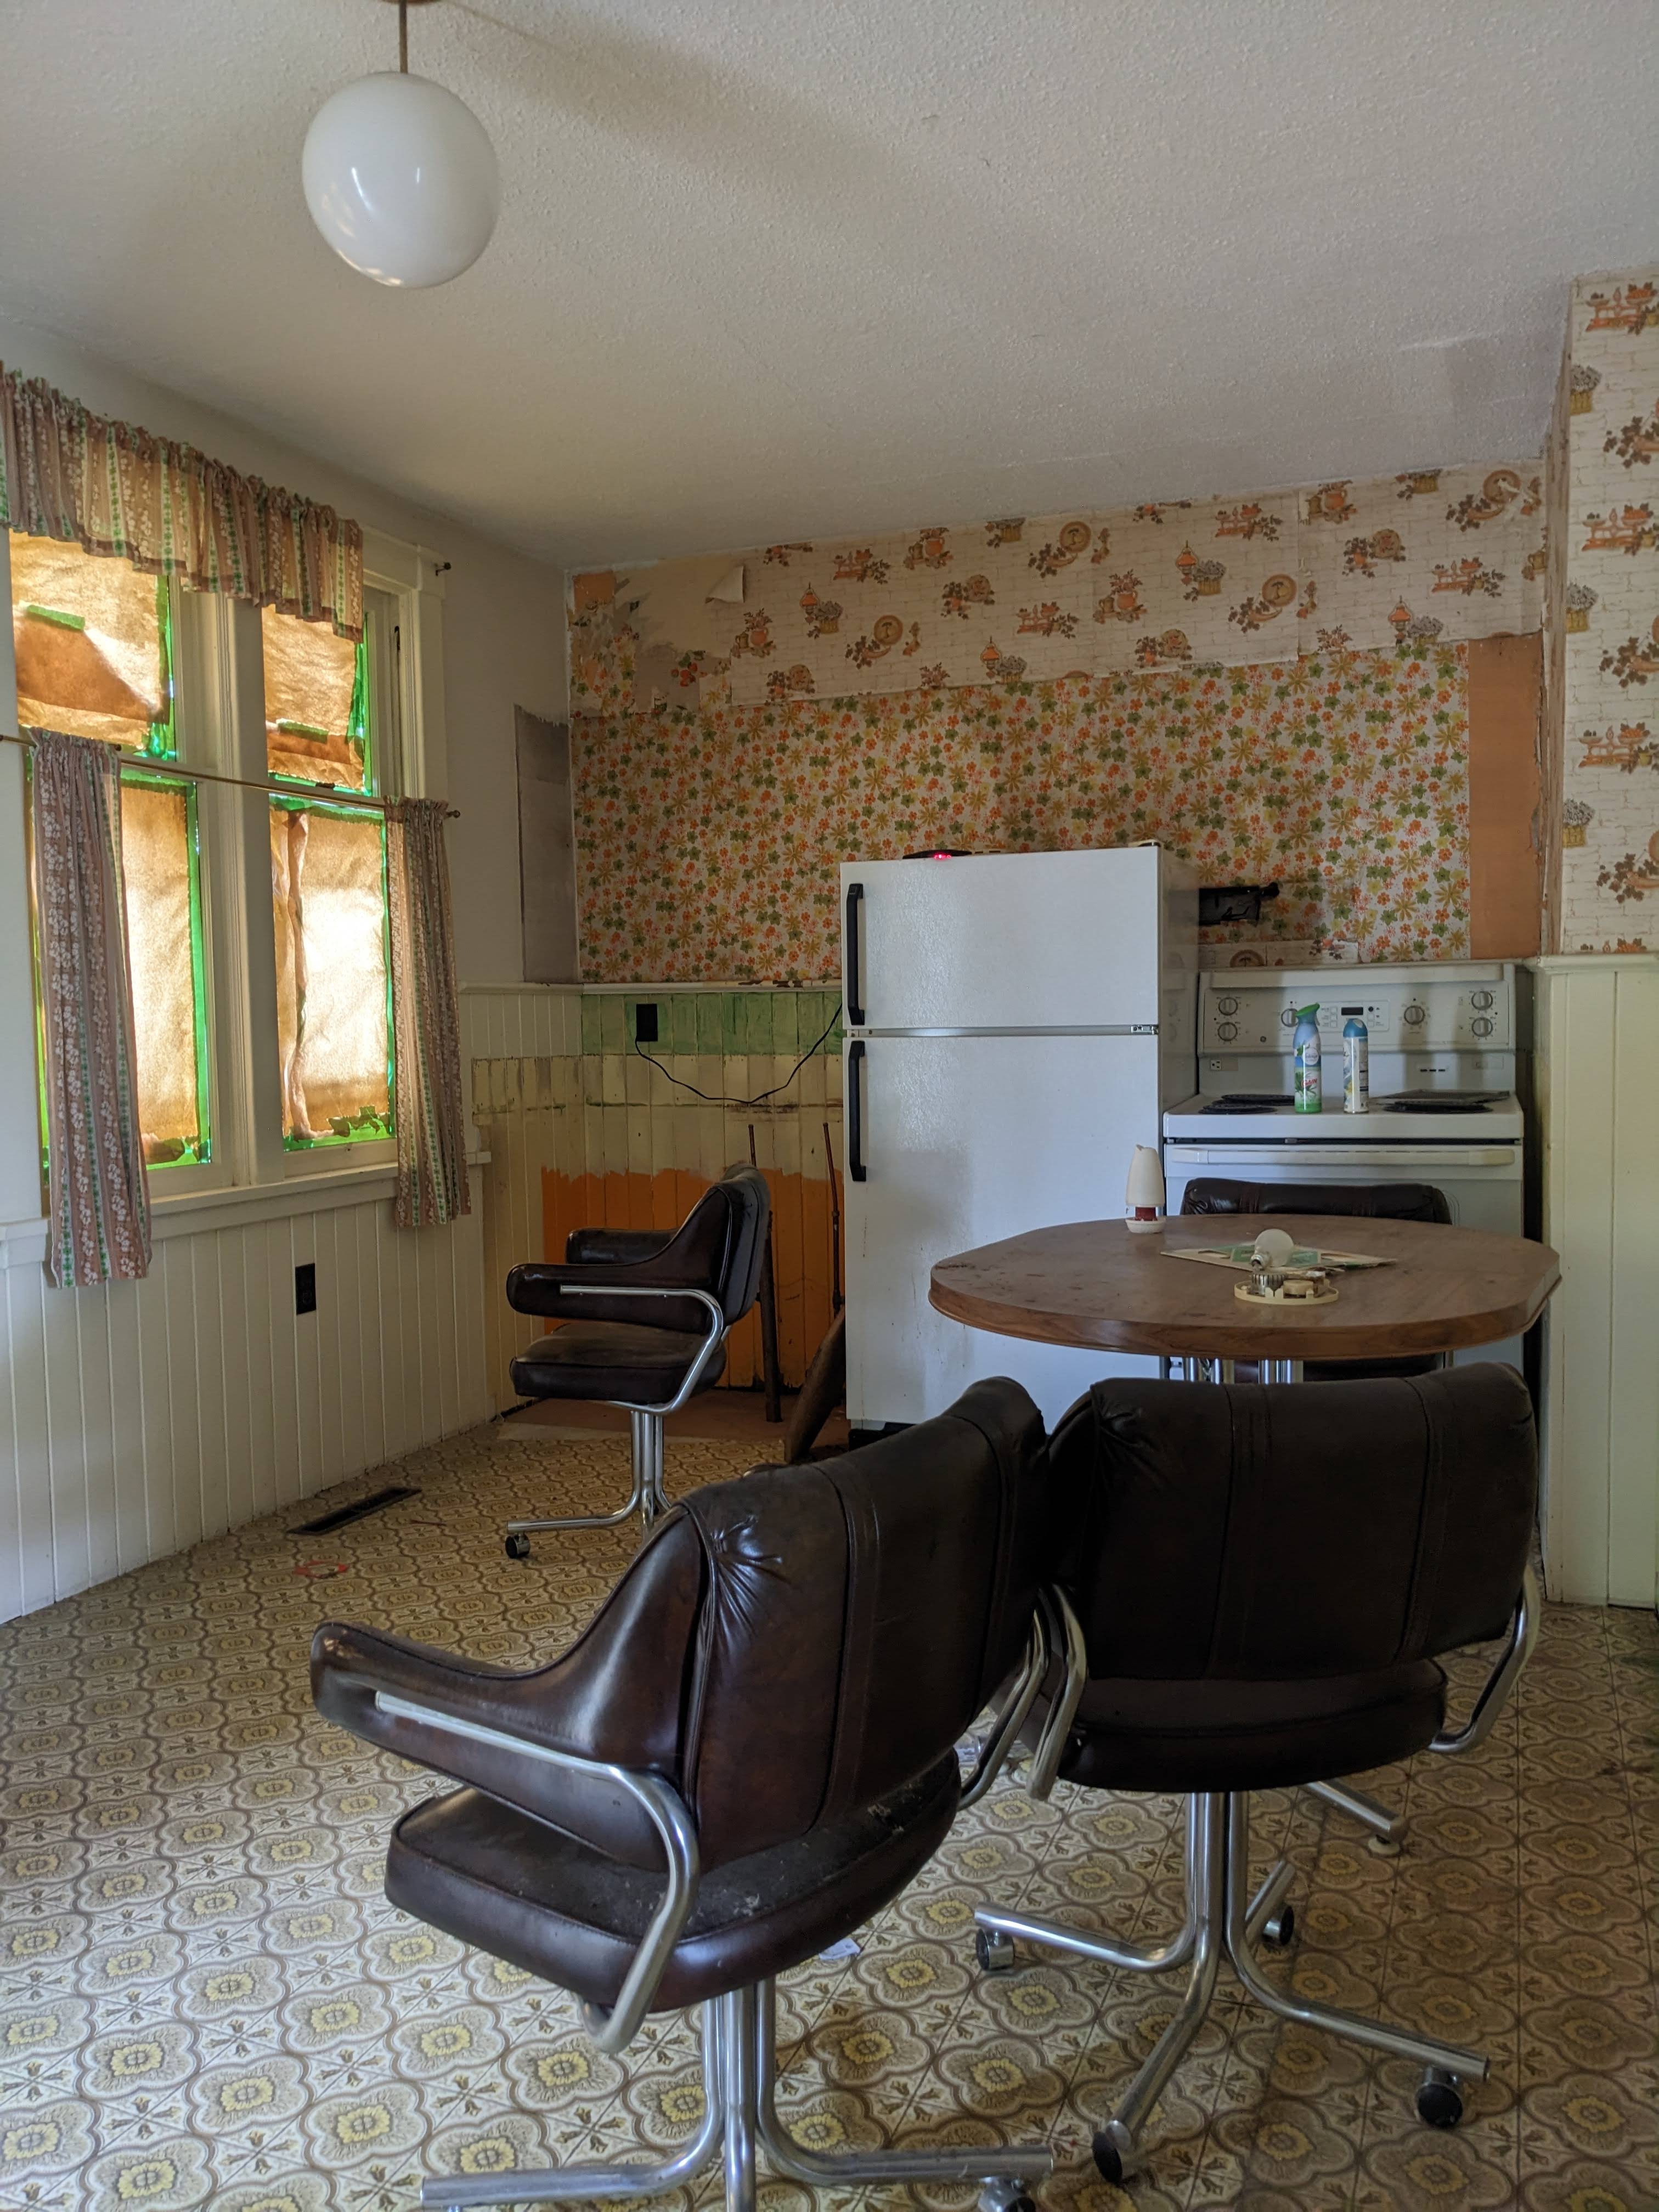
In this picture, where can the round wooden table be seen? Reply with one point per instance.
(1092, 1283)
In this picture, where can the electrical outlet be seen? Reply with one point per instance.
(304, 1287)
(645, 1021)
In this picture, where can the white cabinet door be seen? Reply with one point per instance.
(1008, 940)
(964, 1140)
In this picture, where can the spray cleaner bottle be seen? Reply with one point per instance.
(1305, 1046)
(1356, 1063)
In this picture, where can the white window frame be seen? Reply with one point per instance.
(219, 700)
(363, 1152)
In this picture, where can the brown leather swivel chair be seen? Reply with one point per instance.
(769, 1700)
(1369, 1201)
(1264, 1577)
(645, 1315)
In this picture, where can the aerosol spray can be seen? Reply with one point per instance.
(1356, 1063)
(1305, 1050)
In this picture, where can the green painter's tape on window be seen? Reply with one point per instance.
(63, 620)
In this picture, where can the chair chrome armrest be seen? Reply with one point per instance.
(711, 1343)
(1066, 1642)
(1055, 1633)
(614, 2030)
(1494, 1695)
(1010, 1716)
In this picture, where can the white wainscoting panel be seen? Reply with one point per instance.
(518, 1021)
(137, 1419)
(1596, 1086)
(510, 1023)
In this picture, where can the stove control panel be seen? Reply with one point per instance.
(1452, 1009)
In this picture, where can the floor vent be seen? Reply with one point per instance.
(377, 1503)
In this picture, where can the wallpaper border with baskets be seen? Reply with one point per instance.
(1430, 557)
(1603, 482)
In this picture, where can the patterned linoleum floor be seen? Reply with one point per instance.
(207, 2001)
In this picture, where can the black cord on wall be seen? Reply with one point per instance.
(713, 1099)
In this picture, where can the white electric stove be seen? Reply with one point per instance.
(1443, 1070)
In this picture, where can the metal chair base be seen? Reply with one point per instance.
(1223, 1922)
(740, 2120)
(647, 1498)
(1386, 1831)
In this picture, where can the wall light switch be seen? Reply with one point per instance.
(304, 1287)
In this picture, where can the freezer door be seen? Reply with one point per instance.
(961, 1141)
(1006, 940)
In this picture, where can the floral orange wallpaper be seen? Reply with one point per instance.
(709, 834)
(1604, 616)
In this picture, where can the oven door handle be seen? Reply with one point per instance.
(1291, 1157)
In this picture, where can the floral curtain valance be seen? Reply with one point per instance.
(69, 474)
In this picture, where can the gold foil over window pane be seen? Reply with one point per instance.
(310, 680)
(155, 856)
(87, 635)
(327, 886)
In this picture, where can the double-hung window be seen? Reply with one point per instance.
(329, 733)
(235, 1084)
(93, 643)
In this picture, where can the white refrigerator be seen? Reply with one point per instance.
(1015, 1026)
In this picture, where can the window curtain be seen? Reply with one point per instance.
(431, 1117)
(69, 474)
(100, 1200)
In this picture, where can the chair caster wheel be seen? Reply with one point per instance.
(518, 1547)
(1385, 1847)
(994, 2198)
(1279, 1930)
(1109, 2159)
(1440, 2101)
(994, 1951)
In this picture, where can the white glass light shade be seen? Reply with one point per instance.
(401, 180)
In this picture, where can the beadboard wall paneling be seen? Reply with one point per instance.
(503, 1021)
(503, 1025)
(520, 1103)
(1596, 1077)
(139, 1417)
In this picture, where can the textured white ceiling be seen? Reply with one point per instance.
(775, 267)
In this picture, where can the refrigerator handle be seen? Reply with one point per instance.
(855, 1166)
(855, 1003)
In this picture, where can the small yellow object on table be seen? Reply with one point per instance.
(1310, 1287)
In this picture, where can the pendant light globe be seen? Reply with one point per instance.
(401, 180)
